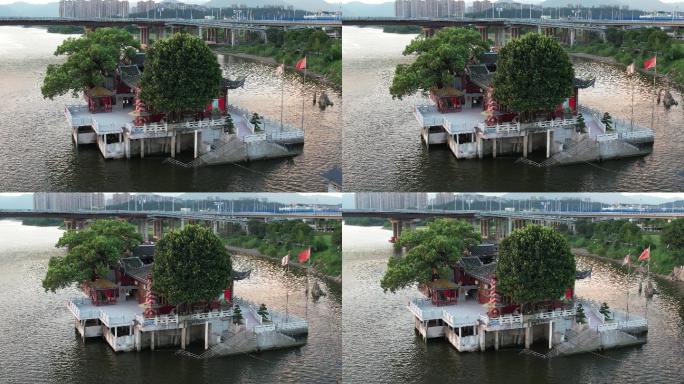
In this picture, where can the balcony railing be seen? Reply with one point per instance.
(415, 306)
(503, 321)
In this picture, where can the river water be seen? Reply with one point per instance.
(380, 345)
(37, 154)
(40, 345)
(383, 151)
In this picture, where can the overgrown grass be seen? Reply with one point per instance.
(324, 256)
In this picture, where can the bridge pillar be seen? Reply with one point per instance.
(483, 32)
(572, 37)
(214, 227)
(428, 32)
(175, 29)
(161, 32)
(200, 34)
(232, 37)
(509, 226)
(144, 35)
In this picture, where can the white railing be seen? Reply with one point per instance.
(500, 129)
(157, 321)
(286, 135)
(424, 121)
(82, 314)
(504, 321)
(102, 129)
(264, 328)
(423, 314)
(622, 324)
(641, 133)
(455, 321)
(554, 314)
(292, 325)
(254, 138)
(210, 315)
(69, 112)
(114, 321)
(147, 129)
(607, 137)
(554, 123)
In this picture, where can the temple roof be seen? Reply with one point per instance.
(233, 84)
(473, 266)
(442, 284)
(446, 91)
(130, 74)
(582, 83)
(483, 250)
(135, 268)
(241, 275)
(98, 92)
(102, 283)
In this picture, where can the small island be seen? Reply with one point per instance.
(141, 295)
(482, 295)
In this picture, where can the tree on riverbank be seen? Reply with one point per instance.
(534, 264)
(673, 235)
(434, 249)
(191, 265)
(90, 59)
(534, 74)
(91, 253)
(439, 59)
(181, 74)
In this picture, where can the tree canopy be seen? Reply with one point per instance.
(181, 74)
(534, 264)
(673, 235)
(91, 252)
(439, 58)
(90, 59)
(533, 73)
(438, 246)
(191, 265)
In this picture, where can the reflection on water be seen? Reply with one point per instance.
(37, 152)
(383, 151)
(380, 344)
(39, 344)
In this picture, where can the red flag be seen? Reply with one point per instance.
(304, 255)
(650, 63)
(646, 254)
(301, 64)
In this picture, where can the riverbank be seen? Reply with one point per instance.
(293, 263)
(663, 278)
(271, 61)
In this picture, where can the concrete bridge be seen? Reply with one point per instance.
(74, 219)
(225, 31)
(501, 30)
(496, 225)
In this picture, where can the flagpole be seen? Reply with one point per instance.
(282, 96)
(287, 289)
(306, 307)
(655, 72)
(304, 91)
(629, 270)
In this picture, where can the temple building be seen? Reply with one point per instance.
(116, 119)
(123, 308)
(473, 124)
(467, 309)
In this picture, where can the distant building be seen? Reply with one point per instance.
(63, 201)
(481, 6)
(121, 198)
(145, 6)
(443, 198)
(429, 8)
(93, 8)
(391, 200)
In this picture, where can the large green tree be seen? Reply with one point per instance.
(673, 235)
(90, 59)
(533, 74)
(438, 59)
(439, 246)
(534, 264)
(181, 74)
(191, 265)
(91, 252)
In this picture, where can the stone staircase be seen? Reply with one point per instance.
(577, 342)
